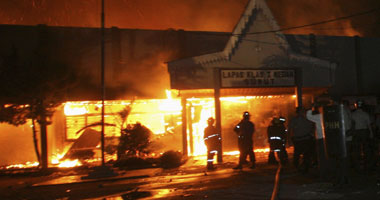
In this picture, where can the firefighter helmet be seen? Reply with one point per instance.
(210, 121)
(246, 115)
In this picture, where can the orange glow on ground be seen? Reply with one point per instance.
(69, 163)
(21, 166)
(232, 153)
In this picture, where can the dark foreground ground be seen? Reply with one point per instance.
(190, 181)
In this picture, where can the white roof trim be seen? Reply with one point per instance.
(210, 58)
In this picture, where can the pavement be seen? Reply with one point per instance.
(190, 181)
(311, 186)
(83, 178)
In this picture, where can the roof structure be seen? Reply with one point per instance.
(241, 30)
(241, 27)
(245, 49)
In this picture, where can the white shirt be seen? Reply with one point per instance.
(362, 120)
(347, 118)
(317, 119)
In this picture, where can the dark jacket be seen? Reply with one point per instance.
(276, 136)
(301, 128)
(245, 130)
(211, 138)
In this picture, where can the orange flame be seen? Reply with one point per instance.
(56, 161)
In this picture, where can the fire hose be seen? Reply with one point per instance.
(276, 184)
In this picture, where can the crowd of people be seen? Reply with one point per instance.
(361, 139)
(306, 132)
(363, 131)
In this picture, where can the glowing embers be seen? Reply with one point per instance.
(55, 162)
(262, 150)
(231, 153)
(67, 163)
(21, 166)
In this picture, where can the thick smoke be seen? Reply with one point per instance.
(141, 14)
(144, 78)
(298, 12)
(206, 15)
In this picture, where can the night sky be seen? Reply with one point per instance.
(203, 15)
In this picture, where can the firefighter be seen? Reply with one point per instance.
(212, 139)
(276, 139)
(245, 129)
(283, 120)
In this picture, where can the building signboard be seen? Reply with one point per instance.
(235, 78)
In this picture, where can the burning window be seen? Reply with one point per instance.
(156, 114)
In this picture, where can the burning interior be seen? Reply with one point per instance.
(76, 129)
(74, 137)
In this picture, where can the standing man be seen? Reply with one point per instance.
(315, 116)
(361, 137)
(212, 140)
(245, 129)
(302, 134)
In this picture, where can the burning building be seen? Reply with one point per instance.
(211, 74)
(136, 69)
(259, 59)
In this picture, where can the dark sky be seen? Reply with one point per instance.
(204, 15)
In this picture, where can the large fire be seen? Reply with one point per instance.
(163, 118)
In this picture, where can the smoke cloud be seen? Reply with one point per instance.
(205, 15)
(298, 12)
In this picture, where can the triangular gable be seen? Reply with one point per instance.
(242, 26)
(240, 31)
